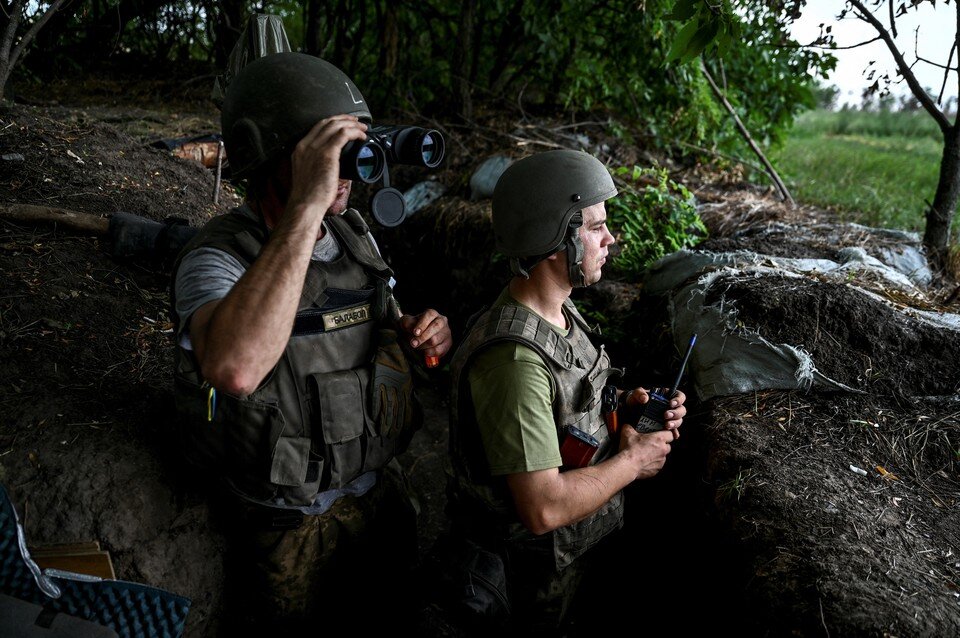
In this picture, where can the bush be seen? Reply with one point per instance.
(653, 216)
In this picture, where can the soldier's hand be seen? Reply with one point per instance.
(429, 332)
(673, 416)
(315, 163)
(647, 451)
(676, 413)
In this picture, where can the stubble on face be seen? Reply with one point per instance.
(595, 243)
(342, 198)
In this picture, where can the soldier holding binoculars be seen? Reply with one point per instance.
(292, 379)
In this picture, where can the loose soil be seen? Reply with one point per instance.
(758, 522)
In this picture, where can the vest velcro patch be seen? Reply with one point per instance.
(346, 317)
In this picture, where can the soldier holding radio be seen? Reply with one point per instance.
(538, 478)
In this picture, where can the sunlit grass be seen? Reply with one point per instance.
(879, 172)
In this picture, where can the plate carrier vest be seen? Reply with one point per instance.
(338, 403)
(579, 371)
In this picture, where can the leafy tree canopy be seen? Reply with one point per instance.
(631, 59)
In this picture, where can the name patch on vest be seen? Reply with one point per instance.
(343, 318)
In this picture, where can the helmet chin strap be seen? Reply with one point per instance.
(575, 260)
(575, 253)
(574, 248)
(517, 268)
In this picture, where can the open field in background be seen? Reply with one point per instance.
(875, 168)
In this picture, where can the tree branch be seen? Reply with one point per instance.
(32, 33)
(893, 23)
(946, 67)
(925, 100)
(818, 46)
(946, 73)
(784, 193)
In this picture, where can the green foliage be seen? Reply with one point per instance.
(762, 71)
(874, 168)
(826, 96)
(652, 216)
(627, 58)
(735, 488)
(615, 327)
(708, 25)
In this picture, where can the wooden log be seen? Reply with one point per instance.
(45, 214)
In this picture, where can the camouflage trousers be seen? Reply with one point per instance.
(541, 595)
(355, 561)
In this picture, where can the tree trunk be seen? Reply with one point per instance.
(311, 40)
(936, 238)
(13, 47)
(228, 22)
(461, 60)
(5, 69)
(389, 38)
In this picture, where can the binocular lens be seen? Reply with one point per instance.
(431, 150)
(363, 161)
(366, 163)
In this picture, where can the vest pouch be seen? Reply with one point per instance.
(393, 403)
(597, 377)
(343, 420)
(252, 436)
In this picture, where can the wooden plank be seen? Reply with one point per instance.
(64, 548)
(83, 557)
(92, 564)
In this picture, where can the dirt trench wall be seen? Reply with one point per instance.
(832, 427)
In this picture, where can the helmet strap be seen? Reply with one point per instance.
(517, 268)
(575, 252)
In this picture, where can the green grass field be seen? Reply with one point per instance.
(877, 169)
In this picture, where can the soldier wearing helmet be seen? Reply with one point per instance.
(291, 377)
(526, 378)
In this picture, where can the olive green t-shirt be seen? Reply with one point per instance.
(513, 394)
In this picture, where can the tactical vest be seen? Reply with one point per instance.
(579, 372)
(338, 403)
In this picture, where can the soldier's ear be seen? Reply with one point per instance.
(248, 143)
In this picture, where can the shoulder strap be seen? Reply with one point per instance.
(514, 323)
(234, 233)
(354, 235)
(574, 314)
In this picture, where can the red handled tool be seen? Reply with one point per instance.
(608, 399)
(429, 360)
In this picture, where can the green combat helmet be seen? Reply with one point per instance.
(275, 100)
(537, 206)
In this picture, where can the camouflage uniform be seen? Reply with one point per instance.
(358, 556)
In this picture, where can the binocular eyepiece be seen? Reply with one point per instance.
(366, 160)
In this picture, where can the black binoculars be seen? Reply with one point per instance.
(367, 160)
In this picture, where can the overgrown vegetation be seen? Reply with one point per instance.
(652, 216)
(714, 28)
